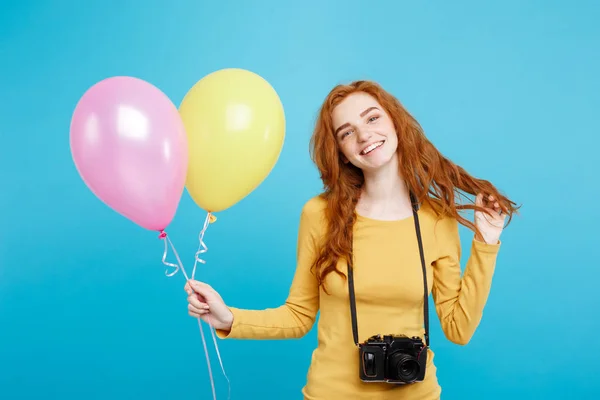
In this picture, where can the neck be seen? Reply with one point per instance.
(384, 194)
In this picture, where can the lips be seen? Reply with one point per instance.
(371, 147)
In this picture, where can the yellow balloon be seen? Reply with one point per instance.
(235, 125)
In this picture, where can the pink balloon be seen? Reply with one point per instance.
(129, 145)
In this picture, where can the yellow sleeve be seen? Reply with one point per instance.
(459, 301)
(297, 315)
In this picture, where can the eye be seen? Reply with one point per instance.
(346, 133)
(373, 118)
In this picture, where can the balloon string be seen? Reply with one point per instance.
(212, 331)
(202, 248)
(212, 381)
(167, 240)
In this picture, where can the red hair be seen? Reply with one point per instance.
(432, 178)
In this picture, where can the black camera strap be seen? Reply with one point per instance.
(415, 208)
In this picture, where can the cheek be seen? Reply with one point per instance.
(391, 134)
(394, 144)
(346, 150)
(392, 140)
(389, 127)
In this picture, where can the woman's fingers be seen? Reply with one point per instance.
(489, 202)
(193, 311)
(198, 302)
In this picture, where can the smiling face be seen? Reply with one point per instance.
(364, 132)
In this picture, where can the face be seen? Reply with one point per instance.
(364, 132)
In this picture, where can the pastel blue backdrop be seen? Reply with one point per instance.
(510, 91)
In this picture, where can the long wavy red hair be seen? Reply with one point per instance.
(431, 177)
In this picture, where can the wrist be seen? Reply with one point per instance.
(487, 240)
(228, 322)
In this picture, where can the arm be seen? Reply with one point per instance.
(297, 315)
(459, 301)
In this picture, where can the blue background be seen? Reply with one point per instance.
(510, 91)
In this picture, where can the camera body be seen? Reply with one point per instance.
(394, 359)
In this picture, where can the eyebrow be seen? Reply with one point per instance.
(362, 114)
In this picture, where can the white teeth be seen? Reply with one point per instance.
(371, 148)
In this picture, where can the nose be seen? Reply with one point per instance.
(364, 135)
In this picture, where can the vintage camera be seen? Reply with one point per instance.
(394, 359)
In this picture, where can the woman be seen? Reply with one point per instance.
(390, 208)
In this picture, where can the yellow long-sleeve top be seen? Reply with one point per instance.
(388, 283)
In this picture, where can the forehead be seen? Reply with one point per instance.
(350, 108)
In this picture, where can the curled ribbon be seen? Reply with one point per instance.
(202, 246)
(163, 236)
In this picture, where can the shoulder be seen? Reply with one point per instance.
(313, 213)
(443, 226)
(312, 222)
(315, 206)
(433, 213)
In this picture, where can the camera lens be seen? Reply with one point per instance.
(406, 367)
